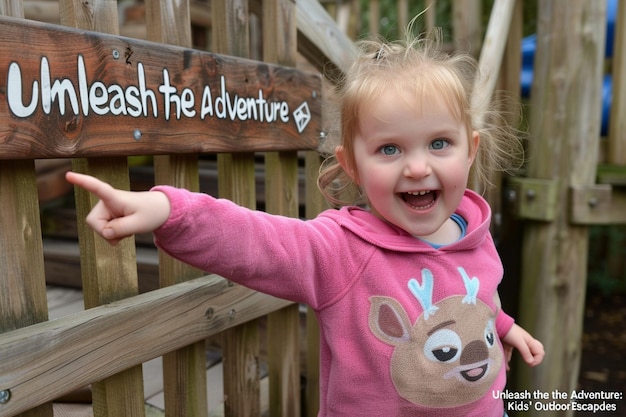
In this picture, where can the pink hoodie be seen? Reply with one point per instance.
(406, 329)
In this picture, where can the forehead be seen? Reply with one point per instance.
(391, 106)
(422, 90)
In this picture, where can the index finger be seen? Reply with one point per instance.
(100, 188)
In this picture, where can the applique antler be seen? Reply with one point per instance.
(424, 292)
(471, 287)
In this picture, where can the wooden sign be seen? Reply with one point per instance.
(72, 93)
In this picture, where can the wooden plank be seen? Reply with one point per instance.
(49, 359)
(315, 204)
(22, 281)
(598, 204)
(108, 273)
(320, 40)
(185, 386)
(281, 173)
(128, 97)
(236, 182)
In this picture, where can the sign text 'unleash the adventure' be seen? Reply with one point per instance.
(115, 96)
(84, 96)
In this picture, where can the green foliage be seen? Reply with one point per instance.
(607, 259)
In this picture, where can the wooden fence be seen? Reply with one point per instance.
(557, 200)
(85, 93)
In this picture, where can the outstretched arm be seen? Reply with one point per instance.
(119, 213)
(530, 348)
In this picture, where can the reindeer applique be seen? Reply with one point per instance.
(450, 356)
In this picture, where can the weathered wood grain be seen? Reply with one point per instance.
(133, 97)
(41, 362)
(279, 46)
(564, 122)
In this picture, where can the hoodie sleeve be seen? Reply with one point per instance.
(504, 322)
(282, 256)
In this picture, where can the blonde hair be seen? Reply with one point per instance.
(416, 66)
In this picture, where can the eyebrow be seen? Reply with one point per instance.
(441, 325)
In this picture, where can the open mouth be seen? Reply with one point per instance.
(473, 375)
(420, 200)
(470, 373)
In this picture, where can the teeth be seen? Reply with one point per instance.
(419, 192)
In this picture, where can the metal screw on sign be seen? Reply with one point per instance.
(116, 54)
(5, 396)
(137, 134)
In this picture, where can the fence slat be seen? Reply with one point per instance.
(114, 276)
(236, 182)
(281, 178)
(22, 281)
(184, 376)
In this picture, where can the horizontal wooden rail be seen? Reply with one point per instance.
(319, 38)
(46, 360)
(111, 96)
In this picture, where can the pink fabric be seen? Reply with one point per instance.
(406, 329)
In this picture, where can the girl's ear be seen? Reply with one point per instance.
(344, 161)
(473, 148)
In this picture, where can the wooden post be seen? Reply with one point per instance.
(114, 276)
(564, 125)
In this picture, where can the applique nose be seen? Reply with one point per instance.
(474, 352)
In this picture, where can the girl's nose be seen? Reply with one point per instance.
(417, 167)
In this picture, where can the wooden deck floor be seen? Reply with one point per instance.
(64, 301)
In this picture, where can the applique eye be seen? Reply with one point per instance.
(490, 334)
(443, 346)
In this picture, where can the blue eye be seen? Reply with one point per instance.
(439, 144)
(389, 150)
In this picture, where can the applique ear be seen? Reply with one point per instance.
(388, 321)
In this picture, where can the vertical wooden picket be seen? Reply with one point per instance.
(236, 181)
(315, 204)
(184, 377)
(114, 276)
(22, 282)
(281, 178)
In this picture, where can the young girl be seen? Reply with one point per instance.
(404, 283)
